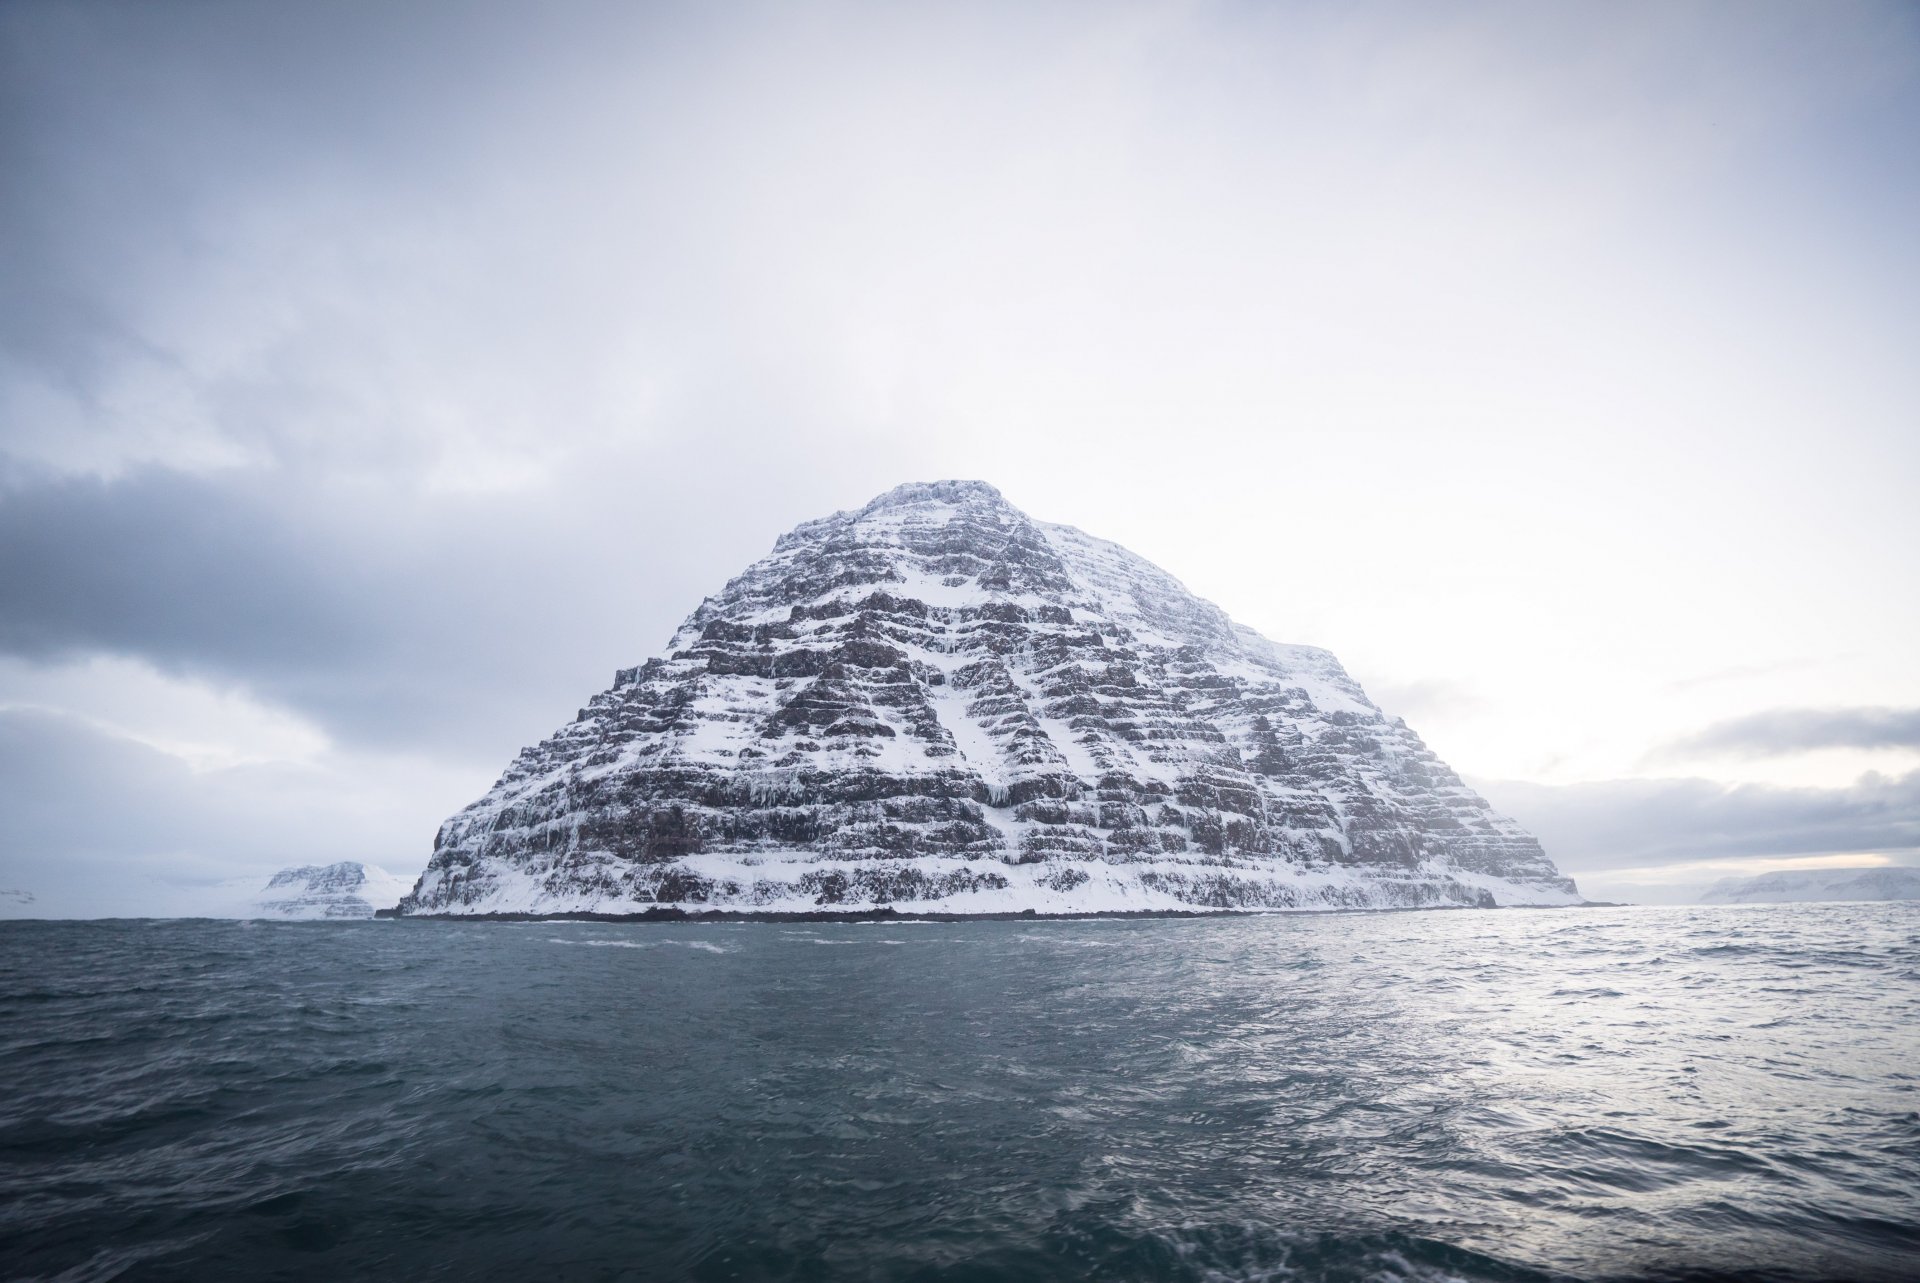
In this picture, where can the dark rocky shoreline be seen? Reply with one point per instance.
(887, 914)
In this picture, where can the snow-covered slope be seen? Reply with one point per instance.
(940, 704)
(1793, 885)
(344, 890)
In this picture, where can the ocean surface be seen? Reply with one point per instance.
(1703, 1093)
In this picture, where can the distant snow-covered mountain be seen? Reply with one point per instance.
(1793, 885)
(938, 703)
(344, 890)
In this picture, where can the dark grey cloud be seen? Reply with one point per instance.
(296, 232)
(169, 109)
(281, 278)
(458, 624)
(1633, 823)
(1782, 731)
(378, 634)
(183, 570)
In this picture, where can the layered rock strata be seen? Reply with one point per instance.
(348, 889)
(939, 704)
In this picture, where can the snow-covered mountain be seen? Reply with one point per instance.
(344, 890)
(940, 704)
(1792, 885)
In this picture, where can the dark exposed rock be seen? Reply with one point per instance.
(348, 889)
(938, 701)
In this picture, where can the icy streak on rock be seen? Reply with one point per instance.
(937, 702)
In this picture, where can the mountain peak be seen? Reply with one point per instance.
(957, 492)
(347, 889)
(939, 703)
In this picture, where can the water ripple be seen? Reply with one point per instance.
(1610, 1094)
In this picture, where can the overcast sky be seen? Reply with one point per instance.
(376, 378)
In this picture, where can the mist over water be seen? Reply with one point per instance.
(1595, 1094)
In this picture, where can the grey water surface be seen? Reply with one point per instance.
(1721, 1092)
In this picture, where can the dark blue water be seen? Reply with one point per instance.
(1593, 1094)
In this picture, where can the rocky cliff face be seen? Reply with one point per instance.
(344, 890)
(940, 704)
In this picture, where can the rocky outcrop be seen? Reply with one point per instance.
(344, 890)
(937, 702)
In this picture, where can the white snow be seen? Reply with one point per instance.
(1790, 886)
(1212, 673)
(976, 746)
(318, 896)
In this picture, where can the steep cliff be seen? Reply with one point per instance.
(940, 704)
(344, 890)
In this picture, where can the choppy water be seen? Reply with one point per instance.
(1659, 1093)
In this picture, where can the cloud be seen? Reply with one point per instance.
(1745, 673)
(92, 822)
(1621, 824)
(180, 568)
(1783, 731)
(316, 597)
(1427, 698)
(465, 623)
(204, 724)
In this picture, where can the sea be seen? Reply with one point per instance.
(1709, 1093)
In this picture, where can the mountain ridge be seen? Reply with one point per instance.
(344, 889)
(1808, 886)
(936, 702)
